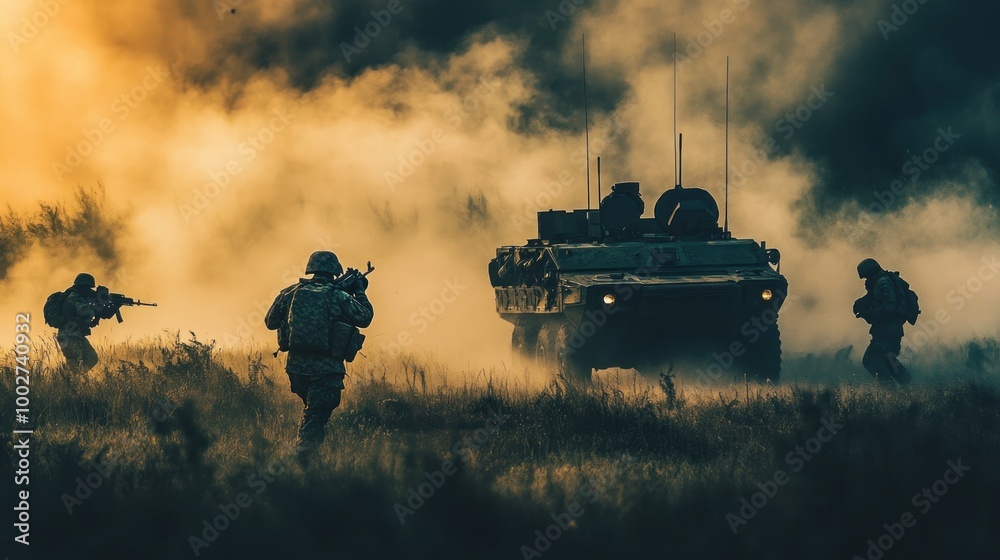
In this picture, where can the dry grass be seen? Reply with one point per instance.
(656, 468)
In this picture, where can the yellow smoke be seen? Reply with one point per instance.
(421, 168)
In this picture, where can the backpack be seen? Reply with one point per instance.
(54, 311)
(309, 318)
(907, 306)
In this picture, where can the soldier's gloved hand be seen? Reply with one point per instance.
(859, 307)
(361, 284)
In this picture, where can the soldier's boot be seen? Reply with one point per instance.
(881, 363)
(312, 432)
(899, 372)
(872, 366)
(311, 436)
(885, 380)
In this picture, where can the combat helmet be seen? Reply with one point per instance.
(324, 262)
(85, 280)
(868, 267)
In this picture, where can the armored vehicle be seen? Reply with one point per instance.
(610, 288)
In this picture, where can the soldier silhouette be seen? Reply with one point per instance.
(880, 307)
(317, 323)
(80, 312)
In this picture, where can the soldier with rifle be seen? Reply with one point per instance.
(76, 311)
(318, 321)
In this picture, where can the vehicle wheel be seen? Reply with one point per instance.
(553, 348)
(523, 341)
(762, 361)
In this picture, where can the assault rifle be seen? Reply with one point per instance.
(347, 281)
(114, 302)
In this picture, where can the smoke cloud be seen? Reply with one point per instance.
(230, 145)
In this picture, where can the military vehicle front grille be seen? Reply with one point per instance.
(725, 298)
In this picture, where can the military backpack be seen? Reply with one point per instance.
(907, 306)
(312, 324)
(309, 316)
(54, 311)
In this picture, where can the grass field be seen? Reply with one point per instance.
(173, 449)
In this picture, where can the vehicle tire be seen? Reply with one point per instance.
(523, 341)
(762, 361)
(553, 347)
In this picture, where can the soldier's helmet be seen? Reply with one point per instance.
(324, 261)
(85, 280)
(868, 268)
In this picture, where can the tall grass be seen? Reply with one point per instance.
(656, 469)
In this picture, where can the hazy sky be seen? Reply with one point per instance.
(421, 135)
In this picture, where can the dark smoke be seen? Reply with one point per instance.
(422, 34)
(896, 87)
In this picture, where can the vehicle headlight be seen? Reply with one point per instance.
(609, 299)
(766, 295)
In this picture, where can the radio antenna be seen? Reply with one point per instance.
(726, 228)
(680, 160)
(598, 179)
(586, 114)
(676, 177)
(599, 222)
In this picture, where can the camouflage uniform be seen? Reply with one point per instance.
(879, 307)
(318, 378)
(81, 314)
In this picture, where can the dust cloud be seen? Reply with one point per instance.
(228, 153)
